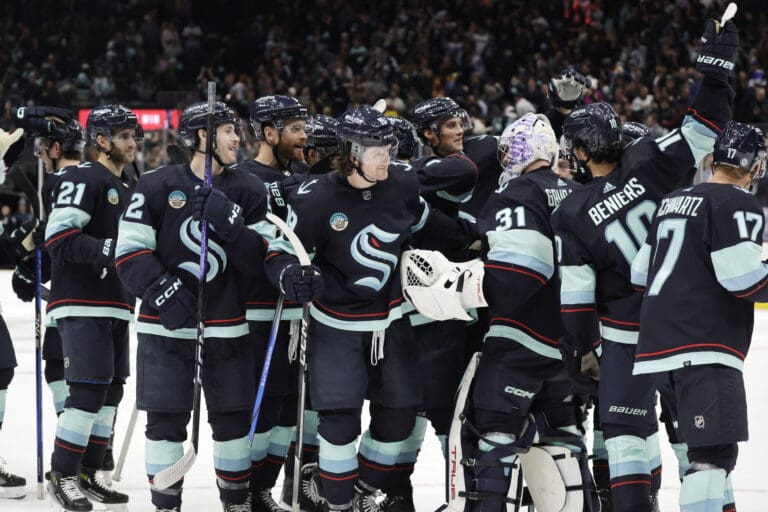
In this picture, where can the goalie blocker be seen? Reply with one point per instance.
(439, 288)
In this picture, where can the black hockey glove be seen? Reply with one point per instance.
(583, 369)
(567, 88)
(301, 284)
(175, 304)
(23, 280)
(224, 216)
(718, 50)
(105, 256)
(33, 119)
(22, 238)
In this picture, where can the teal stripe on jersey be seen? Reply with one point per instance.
(253, 314)
(639, 270)
(133, 236)
(700, 138)
(337, 458)
(703, 491)
(102, 425)
(65, 218)
(384, 454)
(424, 216)
(361, 325)
(279, 441)
(669, 363)
(265, 229)
(232, 331)
(524, 247)
(618, 335)
(627, 456)
(259, 446)
(577, 284)
(74, 426)
(461, 198)
(232, 456)
(521, 337)
(60, 391)
(159, 455)
(739, 266)
(92, 311)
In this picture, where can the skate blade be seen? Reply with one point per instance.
(13, 493)
(109, 507)
(106, 476)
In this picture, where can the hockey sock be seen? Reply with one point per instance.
(3, 392)
(72, 432)
(310, 449)
(159, 455)
(729, 500)
(232, 463)
(259, 458)
(681, 452)
(338, 471)
(99, 439)
(60, 391)
(265, 474)
(630, 472)
(406, 459)
(653, 452)
(703, 489)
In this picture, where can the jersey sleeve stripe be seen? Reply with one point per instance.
(131, 256)
(424, 216)
(518, 270)
(577, 284)
(134, 236)
(66, 218)
(739, 267)
(60, 236)
(524, 247)
(639, 270)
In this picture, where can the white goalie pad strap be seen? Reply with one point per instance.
(548, 471)
(440, 289)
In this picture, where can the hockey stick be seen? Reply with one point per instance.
(730, 12)
(117, 475)
(172, 474)
(39, 335)
(303, 257)
(265, 369)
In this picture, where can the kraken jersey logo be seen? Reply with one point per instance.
(190, 236)
(365, 247)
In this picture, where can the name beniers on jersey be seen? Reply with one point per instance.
(616, 201)
(681, 205)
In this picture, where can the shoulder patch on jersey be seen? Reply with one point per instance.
(609, 187)
(304, 188)
(113, 196)
(177, 199)
(339, 221)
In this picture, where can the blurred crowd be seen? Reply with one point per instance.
(495, 57)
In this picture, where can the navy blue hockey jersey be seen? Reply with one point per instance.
(446, 182)
(520, 283)
(88, 201)
(483, 151)
(158, 235)
(355, 236)
(703, 268)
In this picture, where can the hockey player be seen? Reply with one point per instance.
(279, 124)
(356, 223)
(158, 255)
(697, 315)
(90, 307)
(321, 152)
(600, 228)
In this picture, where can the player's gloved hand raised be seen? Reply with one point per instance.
(584, 369)
(21, 238)
(11, 144)
(718, 52)
(224, 216)
(23, 280)
(175, 304)
(567, 88)
(301, 284)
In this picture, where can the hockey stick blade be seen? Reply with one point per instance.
(172, 474)
(728, 14)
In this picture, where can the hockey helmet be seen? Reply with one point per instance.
(432, 112)
(407, 139)
(364, 127)
(596, 128)
(632, 130)
(195, 117)
(108, 118)
(321, 135)
(741, 145)
(525, 141)
(275, 110)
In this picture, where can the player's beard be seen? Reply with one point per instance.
(120, 157)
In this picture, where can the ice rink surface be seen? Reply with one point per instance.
(17, 438)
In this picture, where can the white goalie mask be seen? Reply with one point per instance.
(525, 141)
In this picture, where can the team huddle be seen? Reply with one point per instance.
(499, 288)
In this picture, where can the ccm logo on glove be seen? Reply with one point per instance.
(168, 292)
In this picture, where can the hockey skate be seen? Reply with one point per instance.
(373, 500)
(241, 507)
(310, 499)
(174, 509)
(96, 490)
(11, 486)
(66, 493)
(262, 501)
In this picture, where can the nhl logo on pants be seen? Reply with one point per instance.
(698, 422)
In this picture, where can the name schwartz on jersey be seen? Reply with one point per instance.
(681, 205)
